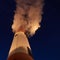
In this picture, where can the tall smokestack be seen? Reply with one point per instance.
(20, 48)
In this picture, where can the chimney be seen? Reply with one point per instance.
(20, 48)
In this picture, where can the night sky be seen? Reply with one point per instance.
(45, 43)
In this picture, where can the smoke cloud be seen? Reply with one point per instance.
(28, 16)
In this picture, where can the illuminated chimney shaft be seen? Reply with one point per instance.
(20, 48)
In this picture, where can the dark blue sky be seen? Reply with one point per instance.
(45, 43)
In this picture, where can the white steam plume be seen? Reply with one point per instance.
(28, 16)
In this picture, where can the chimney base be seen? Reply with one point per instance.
(20, 56)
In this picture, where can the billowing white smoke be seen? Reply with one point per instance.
(28, 16)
